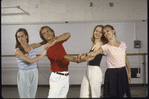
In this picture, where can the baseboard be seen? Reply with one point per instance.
(78, 85)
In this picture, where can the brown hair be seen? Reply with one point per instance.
(40, 32)
(109, 26)
(18, 45)
(103, 39)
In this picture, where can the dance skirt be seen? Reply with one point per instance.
(116, 83)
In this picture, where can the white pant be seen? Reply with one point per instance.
(91, 84)
(59, 85)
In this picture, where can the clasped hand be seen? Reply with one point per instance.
(81, 57)
(49, 44)
(85, 57)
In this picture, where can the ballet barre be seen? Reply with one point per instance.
(129, 54)
(78, 54)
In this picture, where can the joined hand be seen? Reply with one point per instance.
(49, 44)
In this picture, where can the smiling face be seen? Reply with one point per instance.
(108, 32)
(98, 33)
(21, 37)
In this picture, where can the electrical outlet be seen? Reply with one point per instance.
(137, 44)
(138, 75)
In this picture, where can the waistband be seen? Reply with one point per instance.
(93, 65)
(117, 68)
(64, 73)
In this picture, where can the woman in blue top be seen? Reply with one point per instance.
(27, 78)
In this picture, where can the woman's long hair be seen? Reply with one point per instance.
(18, 45)
(103, 38)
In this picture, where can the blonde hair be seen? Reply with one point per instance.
(40, 32)
(103, 39)
(109, 26)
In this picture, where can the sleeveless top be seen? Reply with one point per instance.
(96, 61)
(23, 65)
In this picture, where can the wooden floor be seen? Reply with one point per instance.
(7, 91)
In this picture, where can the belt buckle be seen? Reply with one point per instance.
(66, 74)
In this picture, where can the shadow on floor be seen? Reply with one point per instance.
(11, 91)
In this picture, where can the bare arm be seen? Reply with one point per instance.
(83, 58)
(70, 58)
(90, 58)
(128, 68)
(20, 55)
(60, 38)
(94, 53)
(36, 45)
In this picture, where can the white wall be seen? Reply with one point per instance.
(78, 43)
(126, 16)
(41, 11)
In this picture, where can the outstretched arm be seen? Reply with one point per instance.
(20, 55)
(63, 37)
(36, 45)
(89, 56)
(70, 58)
(94, 53)
(128, 68)
(60, 38)
(83, 58)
